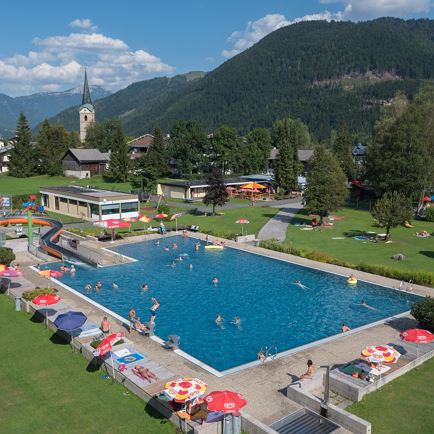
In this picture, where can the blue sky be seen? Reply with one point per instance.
(45, 45)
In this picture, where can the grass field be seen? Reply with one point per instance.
(405, 406)
(419, 252)
(225, 223)
(45, 387)
(21, 186)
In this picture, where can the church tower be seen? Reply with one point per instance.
(87, 111)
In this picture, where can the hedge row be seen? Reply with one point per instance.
(419, 277)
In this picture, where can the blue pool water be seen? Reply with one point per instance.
(274, 312)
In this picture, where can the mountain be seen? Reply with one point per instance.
(136, 102)
(39, 106)
(323, 73)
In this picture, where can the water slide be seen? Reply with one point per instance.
(47, 241)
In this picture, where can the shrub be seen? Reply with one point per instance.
(220, 234)
(30, 295)
(163, 208)
(7, 255)
(429, 214)
(423, 311)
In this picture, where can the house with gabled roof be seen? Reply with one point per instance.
(84, 163)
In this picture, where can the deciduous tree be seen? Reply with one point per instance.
(392, 210)
(216, 194)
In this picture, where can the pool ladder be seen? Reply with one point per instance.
(269, 352)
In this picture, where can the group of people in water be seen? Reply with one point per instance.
(219, 320)
(135, 322)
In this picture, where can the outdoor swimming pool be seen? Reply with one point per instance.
(260, 290)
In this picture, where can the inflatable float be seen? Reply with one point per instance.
(352, 281)
(213, 247)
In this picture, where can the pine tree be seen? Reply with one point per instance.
(120, 162)
(288, 136)
(342, 148)
(22, 159)
(392, 210)
(157, 153)
(216, 193)
(326, 183)
(145, 174)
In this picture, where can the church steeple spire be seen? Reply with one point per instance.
(86, 93)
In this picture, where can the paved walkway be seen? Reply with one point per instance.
(277, 226)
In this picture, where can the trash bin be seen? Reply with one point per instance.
(227, 424)
(17, 304)
(236, 423)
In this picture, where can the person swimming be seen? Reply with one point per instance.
(180, 259)
(364, 304)
(219, 319)
(115, 285)
(298, 283)
(88, 287)
(175, 246)
(190, 266)
(197, 246)
(166, 249)
(215, 280)
(73, 270)
(98, 285)
(236, 321)
(157, 243)
(145, 287)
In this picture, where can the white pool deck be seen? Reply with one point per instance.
(261, 384)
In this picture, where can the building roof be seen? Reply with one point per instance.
(88, 155)
(94, 194)
(303, 154)
(6, 149)
(86, 92)
(199, 182)
(141, 142)
(89, 107)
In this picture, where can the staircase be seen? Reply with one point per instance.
(304, 421)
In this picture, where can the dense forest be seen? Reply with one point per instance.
(321, 73)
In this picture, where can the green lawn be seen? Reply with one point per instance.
(45, 387)
(224, 224)
(18, 186)
(63, 218)
(405, 406)
(419, 252)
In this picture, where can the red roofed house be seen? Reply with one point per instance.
(139, 146)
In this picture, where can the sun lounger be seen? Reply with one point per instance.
(373, 371)
(194, 228)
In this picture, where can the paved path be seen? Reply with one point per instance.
(277, 226)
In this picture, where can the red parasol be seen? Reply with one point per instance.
(46, 300)
(426, 199)
(225, 401)
(419, 336)
(50, 273)
(107, 344)
(161, 216)
(115, 223)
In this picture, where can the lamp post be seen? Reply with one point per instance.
(325, 401)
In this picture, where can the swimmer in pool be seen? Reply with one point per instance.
(157, 243)
(180, 259)
(197, 246)
(236, 321)
(174, 246)
(145, 287)
(298, 283)
(364, 304)
(115, 285)
(219, 319)
(166, 249)
(215, 280)
(88, 287)
(98, 285)
(73, 270)
(190, 266)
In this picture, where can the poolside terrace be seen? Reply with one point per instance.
(264, 385)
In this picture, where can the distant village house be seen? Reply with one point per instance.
(84, 163)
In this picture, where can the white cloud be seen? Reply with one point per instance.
(362, 9)
(84, 24)
(256, 30)
(58, 62)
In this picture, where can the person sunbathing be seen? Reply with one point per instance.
(310, 371)
(144, 373)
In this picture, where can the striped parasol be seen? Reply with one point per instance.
(184, 389)
(381, 354)
(144, 218)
